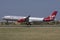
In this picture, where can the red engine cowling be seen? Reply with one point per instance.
(21, 20)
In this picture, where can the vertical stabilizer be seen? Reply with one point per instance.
(51, 17)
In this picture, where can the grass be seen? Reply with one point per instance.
(30, 33)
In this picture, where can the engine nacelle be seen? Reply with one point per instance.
(21, 20)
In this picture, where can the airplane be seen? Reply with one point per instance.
(30, 19)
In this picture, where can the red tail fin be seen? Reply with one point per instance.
(51, 17)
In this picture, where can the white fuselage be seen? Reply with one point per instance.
(31, 19)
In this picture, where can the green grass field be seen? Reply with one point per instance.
(30, 33)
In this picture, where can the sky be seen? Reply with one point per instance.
(35, 8)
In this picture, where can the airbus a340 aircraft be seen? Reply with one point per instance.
(29, 19)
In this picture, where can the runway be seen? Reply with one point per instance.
(29, 27)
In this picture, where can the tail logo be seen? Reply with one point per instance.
(52, 17)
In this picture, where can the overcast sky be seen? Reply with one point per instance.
(37, 8)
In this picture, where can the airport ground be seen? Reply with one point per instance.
(30, 33)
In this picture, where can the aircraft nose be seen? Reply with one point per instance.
(3, 17)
